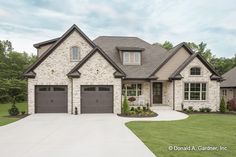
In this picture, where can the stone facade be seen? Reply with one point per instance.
(229, 93)
(213, 88)
(97, 71)
(53, 70)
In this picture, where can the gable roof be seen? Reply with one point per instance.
(37, 45)
(172, 52)
(177, 76)
(151, 54)
(74, 73)
(55, 45)
(230, 78)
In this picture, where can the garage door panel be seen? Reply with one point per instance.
(96, 99)
(51, 99)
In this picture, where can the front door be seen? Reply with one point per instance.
(157, 92)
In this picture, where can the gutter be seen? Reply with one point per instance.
(173, 94)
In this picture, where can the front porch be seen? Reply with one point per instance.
(158, 94)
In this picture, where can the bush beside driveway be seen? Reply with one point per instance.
(4, 115)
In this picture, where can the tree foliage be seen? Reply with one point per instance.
(221, 64)
(166, 45)
(12, 66)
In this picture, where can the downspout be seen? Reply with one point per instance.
(72, 96)
(150, 84)
(173, 94)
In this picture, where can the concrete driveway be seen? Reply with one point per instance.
(61, 135)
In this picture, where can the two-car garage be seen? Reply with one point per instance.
(94, 99)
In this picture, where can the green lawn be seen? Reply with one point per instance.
(4, 116)
(197, 130)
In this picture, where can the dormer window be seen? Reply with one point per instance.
(195, 71)
(74, 53)
(132, 58)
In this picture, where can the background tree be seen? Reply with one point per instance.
(12, 65)
(166, 45)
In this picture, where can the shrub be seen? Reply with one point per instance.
(190, 108)
(207, 109)
(202, 109)
(132, 113)
(138, 108)
(222, 105)
(132, 109)
(125, 106)
(13, 111)
(22, 112)
(185, 110)
(195, 110)
(144, 108)
(148, 106)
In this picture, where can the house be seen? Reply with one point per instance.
(228, 86)
(75, 74)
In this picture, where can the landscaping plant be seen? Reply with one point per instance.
(222, 105)
(125, 106)
(14, 92)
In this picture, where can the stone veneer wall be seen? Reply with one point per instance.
(213, 88)
(53, 70)
(97, 71)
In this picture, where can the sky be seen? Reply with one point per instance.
(25, 22)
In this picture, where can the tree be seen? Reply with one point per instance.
(125, 106)
(202, 49)
(12, 65)
(222, 105)
(167, 45)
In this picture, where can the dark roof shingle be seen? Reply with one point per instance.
(229, 78)
(152, 56)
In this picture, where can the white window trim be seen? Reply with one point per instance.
(71, 54)
(129, 58)
(136, 90)
(207, 91)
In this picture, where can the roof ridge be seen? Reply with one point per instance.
(54, 46)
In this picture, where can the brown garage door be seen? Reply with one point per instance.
(96, 99)
(51, 99)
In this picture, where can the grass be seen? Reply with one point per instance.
(197, 130)
(4, 116)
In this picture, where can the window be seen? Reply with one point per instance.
(195, 91)
(195, 71)
(46, 88)
(89, 89)
(132, 89)
(224, 92)
(104, 89)
(59, 89)
(74, 53)
(131, 58)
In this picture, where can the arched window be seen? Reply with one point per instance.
(195, 71)
(74, 53)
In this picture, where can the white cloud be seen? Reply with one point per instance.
(154, 20)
